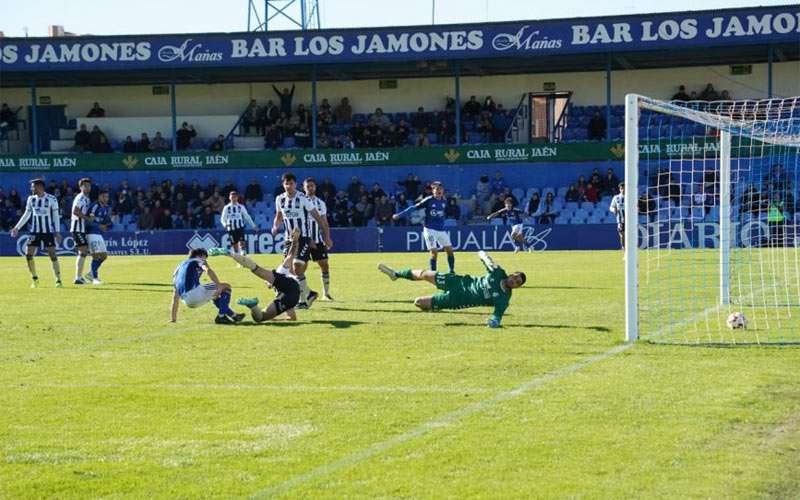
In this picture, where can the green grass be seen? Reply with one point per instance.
(366, 397)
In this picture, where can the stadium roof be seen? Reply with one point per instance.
(746, 35)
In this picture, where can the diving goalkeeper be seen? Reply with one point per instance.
(459, 292)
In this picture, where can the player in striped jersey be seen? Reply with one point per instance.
(77, 226)
(319, 252)
(293, 209)
(513, 217)
(617, 208)
(44, 223)
(233, 217)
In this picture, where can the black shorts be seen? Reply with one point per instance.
(42, 240)
(81, 240)
(288, 292)
(319, 252)
(236, 235)
(303, 253)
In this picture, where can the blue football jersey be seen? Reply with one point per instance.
(187, 275)
(434, 212)
(102, 216)
(513, 217)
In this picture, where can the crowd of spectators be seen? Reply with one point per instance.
(707, 94)
(339, 128)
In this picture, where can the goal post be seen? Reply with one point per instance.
(711, 220)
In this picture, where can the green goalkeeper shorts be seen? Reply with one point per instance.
(453, 294)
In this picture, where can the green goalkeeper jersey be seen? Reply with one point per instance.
(467, 291)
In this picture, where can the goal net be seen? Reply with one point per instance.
(712, 199)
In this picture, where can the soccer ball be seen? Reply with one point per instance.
(737, 321)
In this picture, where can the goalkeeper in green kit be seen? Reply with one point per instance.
(459, 292)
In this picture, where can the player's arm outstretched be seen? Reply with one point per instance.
(498, 213)
(411, 208)
(248, 219)
(487, 261)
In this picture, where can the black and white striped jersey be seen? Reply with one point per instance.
(82, 203)
(42, 213)
(234, 216)
(314, 231)
(295, 211)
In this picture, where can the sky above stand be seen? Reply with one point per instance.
(117, 17)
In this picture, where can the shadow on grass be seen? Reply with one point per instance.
(601, 329)
(283, 323)
(403, 311)
(125, 289)
(572, 287)
(169, 285)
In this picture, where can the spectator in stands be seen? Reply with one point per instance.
(401, 203)
(185, 135)
(581, 186)
(354, 189)
(383, 211)
(472, 108)
(533, 204)
(483, 189)
(709, 94)
(489, 105)
(647, 206)
(326, 190)
(725, 96)
(284, 124)
(341, 210)
(357, 134)
(693, 96)
(500, 124)
(411, 186)
(98, 142)
(253, 191)
(228, 188)
(681, 95)
(547, 212)
(146, 221)
(159, 143)
(361, 212)
(573, 195)
(96, 111)
(419, 121)
(129, 146)
(445, 134)
(205, 219)
(592, 194)
(302, 137)
(270, 113)
(14, 198)
(486, 129)
(498, 183)
(452, 210)
(143, 146)
(380, 119)
(82, 137)
(8, 119)
(164, 220)
(449, 105)
(344, 112)
(325, 112)
(323, 140)
(218, 144)
(180, 206)
(347, 142)
(286, 98)
(777, 178)
(303, 115)
(401, 134)
(610, 184)
(252, 118)
(421, 140)
(273, 137)
(597, 127)
(376, 193)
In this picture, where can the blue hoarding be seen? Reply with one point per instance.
(759, 25)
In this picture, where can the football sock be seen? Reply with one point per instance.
(96, 263)
(326, 283)
(303, 288)
(433, 264)
(406, 274)
(31, 265)
(451, 262)
(244, 261)
(79, 265)
(222, 302)
(56, 268)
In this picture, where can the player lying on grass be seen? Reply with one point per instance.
(285, 283)
(186, 281)
(459, 292)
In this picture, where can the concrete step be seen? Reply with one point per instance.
(66, 133)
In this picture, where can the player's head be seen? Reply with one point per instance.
(85, 185)
(310, 186)
(233, 196)
(516, 280)
(289, 181)
(509, 203)
(621, 188)
(198, 253)
(37, 186)
(103, 197)
(438, 189)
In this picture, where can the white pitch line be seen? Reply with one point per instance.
(437, 423)
(268, 387)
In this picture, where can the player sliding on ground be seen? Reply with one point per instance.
(459, 292)
(187, 287)
(282, 280)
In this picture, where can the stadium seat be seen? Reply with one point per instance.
(577, 220)
(518, 193)
(531, 191)
(572, 205)
(497, 222)
(562, 191)
(450, 223)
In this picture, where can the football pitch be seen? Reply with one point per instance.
(367, 397)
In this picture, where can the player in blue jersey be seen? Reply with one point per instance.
(433, 231)
(188, 289)
(515, 218)
(98, 221)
